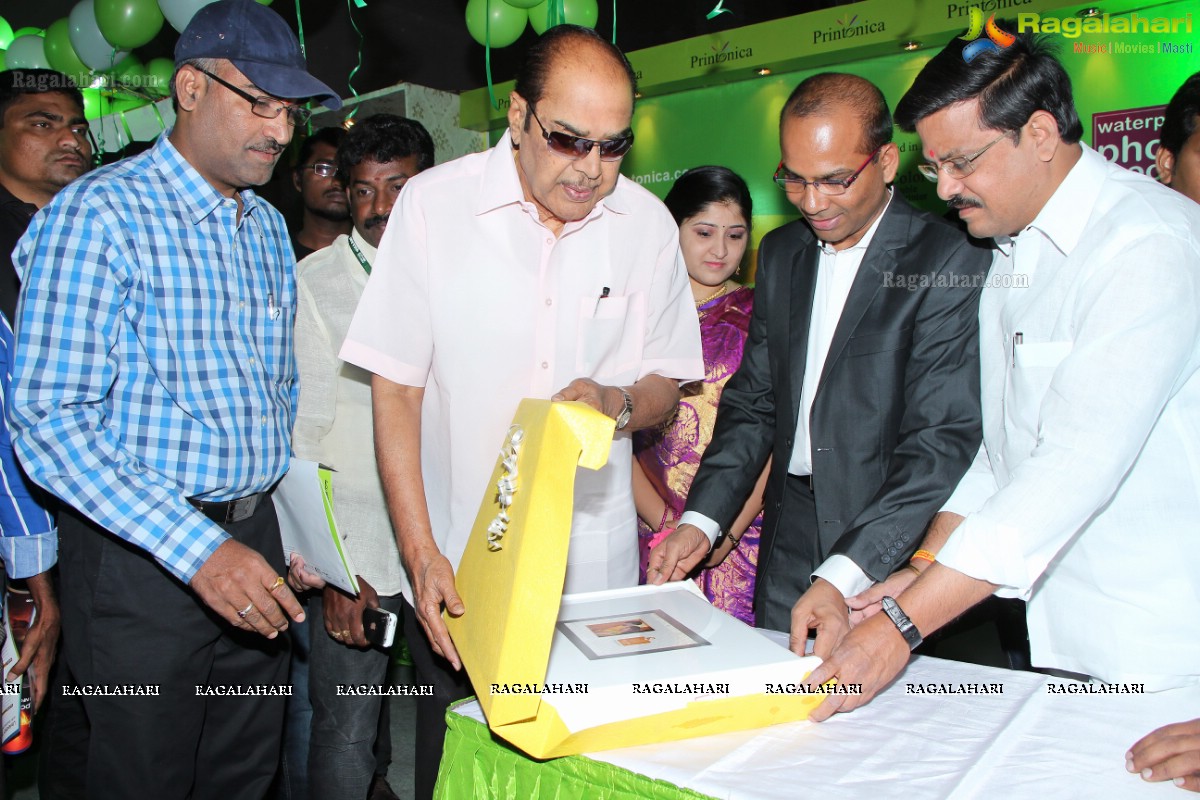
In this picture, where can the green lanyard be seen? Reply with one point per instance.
(366, 265)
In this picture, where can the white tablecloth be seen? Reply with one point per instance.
(1023, 743)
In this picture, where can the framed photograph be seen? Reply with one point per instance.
(629, 634)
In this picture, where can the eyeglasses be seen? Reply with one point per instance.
(571, 146)
(785, 180)
(266, 107)
(957, 167)
(322, 169)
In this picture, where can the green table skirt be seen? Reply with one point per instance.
(476, 765)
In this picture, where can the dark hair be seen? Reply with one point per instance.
(699, 186)
(555, 42)
(331, 136)
(382, 138)
(1010, 83)
(16, 83)
(1182, 112)
(821, 93)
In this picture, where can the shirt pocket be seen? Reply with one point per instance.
(1034, 365)
(611, 338)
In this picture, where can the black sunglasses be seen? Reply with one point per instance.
(571, 146)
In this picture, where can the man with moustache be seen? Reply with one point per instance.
(154, 391)
(333, 427)
(44, 146)
(860, 374)
(326, 214)
(531, 270)
(1090, 335)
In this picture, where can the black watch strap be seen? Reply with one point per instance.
(903, 624)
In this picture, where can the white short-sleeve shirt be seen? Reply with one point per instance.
(474, 299)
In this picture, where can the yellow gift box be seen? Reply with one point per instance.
(559, 675)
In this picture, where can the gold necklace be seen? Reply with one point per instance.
(724, 288)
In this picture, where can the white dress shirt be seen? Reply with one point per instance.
(477, 301)
(836, 270)
(333, 418)
(1085, 498)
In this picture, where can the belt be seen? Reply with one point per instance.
(229, 511)
(804, 480)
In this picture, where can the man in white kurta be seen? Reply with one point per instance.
(521, 272)
(1086, 495)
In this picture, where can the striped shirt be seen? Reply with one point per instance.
(154, 352)
(28, 540)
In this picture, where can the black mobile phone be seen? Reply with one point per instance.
(379, 626)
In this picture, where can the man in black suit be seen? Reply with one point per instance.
(860, 377)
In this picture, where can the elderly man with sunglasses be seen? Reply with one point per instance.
(154, 394)
(532, 270)
(860, 378)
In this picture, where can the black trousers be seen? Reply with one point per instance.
(126, 621)
(449, 686)
(786, 561)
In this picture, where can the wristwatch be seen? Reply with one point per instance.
(903, 624)
(626, 412)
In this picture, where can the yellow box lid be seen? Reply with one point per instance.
(512, 571)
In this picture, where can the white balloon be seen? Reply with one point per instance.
(180, 12)
(87, 40)
(26, 52)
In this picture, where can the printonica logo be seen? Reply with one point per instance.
(996, 40)
(848, 27)
(721, 54)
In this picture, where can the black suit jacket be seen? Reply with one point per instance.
(895, 419)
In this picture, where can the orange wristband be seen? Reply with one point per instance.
(923, 555)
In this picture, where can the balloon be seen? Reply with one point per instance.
(2, 67)
(130, 71)
(158, 76)
(507, 22)
(29, 31)
(89, 44)
(577, 12)
(128, 23)
(515, 3)
(264, 2)
(180, 12)
(26, 52)
(6, 34)
(62, 56)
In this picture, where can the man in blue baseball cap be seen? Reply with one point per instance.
(154, 391)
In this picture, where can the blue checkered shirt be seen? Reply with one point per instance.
(154, 352)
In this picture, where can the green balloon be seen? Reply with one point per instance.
(62, 56)
(126, 24)
(28, 31)
(130, 71)
(576, 12)
(507, 22)
(264, 2)
(2, 67)
(6, 34)
(158, 76)
(517, 3)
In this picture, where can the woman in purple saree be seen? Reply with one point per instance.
(712, 206)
